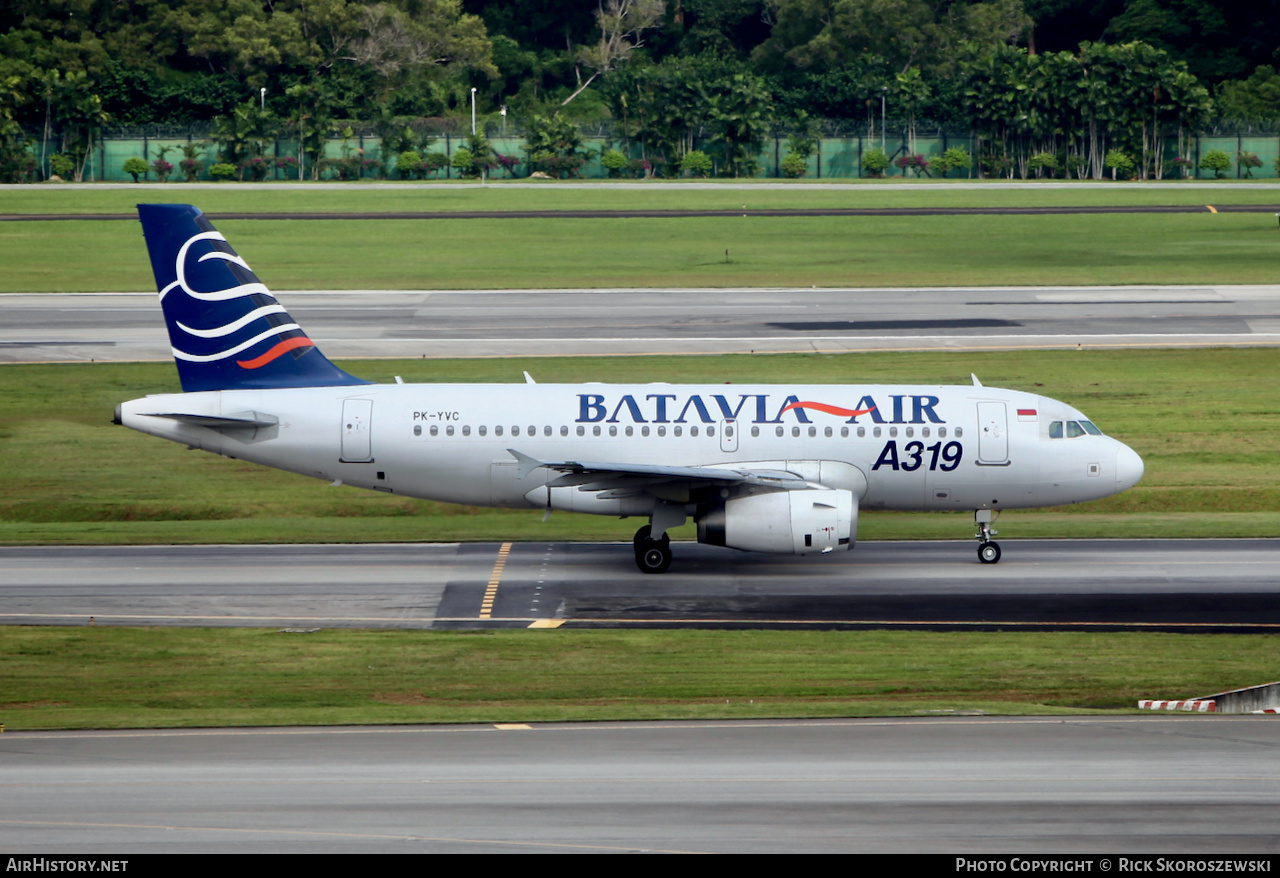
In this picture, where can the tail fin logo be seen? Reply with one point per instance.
(226, 330)
(265, 319)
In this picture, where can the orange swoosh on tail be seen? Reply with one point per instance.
(276, 352)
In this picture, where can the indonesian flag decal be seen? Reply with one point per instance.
(1026, 414)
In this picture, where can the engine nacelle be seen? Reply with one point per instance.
(787, 522)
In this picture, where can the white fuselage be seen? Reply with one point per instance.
(906, 448)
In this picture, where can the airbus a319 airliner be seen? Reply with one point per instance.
(764, 468)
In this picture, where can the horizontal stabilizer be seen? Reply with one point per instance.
(236, 421)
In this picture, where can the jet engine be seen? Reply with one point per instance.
(804, 522)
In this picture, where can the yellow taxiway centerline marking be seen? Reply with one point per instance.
(1212, 209)
(491, 593)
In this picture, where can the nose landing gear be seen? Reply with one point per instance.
(988, 549)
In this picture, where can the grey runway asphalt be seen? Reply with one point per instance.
(531, 323)
(1169, 585)
(1159, 785)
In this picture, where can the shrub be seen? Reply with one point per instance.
(614, 162)
(163, 169)
(17, 165)
(482, 157)
(258, 168)
(190, 164)
(696, 162)
(289, 165)
(1043, 161)
(223, 171)
(464, 162)
(349, 167)
(1248, 161)
(1119, 163)
(875, 162)
(409, 165)
(559, 165)
(507, 163)
(135, 167)
(956, 158)
(794, 165)
(916, 163)
(63, 166)
(998, 165)
(1217, 161)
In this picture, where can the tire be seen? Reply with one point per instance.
(989, 552)
(654, 556)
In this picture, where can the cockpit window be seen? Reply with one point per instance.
(1055, 430)
(1090, 428)
(1074, 430)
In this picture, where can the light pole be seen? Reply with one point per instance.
(883, 91)
(262, 93)
(473, 112)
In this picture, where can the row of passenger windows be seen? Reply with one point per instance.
(1073, 429)
(678, 430)
(596, 430)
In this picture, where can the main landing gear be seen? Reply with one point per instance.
(988, 549)
(652, 556)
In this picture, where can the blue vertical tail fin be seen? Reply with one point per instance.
(226, 329)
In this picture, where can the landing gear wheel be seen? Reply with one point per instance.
(989, 552)
(652, 556)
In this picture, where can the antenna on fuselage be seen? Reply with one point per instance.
(976, 382)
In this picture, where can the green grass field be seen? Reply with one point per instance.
(496, 195)
(184, 677)
(87, 256)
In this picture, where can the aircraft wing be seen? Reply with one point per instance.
(636, 477)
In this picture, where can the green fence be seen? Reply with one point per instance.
(834, 157)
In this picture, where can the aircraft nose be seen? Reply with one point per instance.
(1129, 468)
